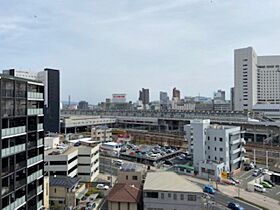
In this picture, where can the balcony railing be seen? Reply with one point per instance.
(13, 131)
(35, 95)
(40, 142)
(34, 111)
(21, 164)
(40, 126)
(33, 160)
(40, 204)
(18, 202)
(13, 150)
(39, 188)
(34, 176)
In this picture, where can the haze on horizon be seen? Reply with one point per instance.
(108, 46)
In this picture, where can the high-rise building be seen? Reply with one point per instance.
(144, 96)
(175, 94)
(22, 142)
(232, 99)
(163, 98)
(83, 105)
(256, 80)
(220, 95)
(51, 80)
(119, 98)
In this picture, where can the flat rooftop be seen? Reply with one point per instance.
(67, 151)
(169, 182)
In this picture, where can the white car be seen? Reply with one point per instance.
(102, 187)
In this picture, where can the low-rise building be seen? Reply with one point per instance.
(169, 191)
(101, 134)
(131, 173)
(65, 192)
(62, 161)
(125, 197)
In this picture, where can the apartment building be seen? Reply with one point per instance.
(62, 161)
(256, 81)
(131, 173)
(22, 143)
(88, 162)
(101, 134)
(215, 148)
(169, 191)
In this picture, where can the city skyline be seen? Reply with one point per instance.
(156, 45)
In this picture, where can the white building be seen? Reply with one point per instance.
(101, 134)
(62, 161)
(169, 191)
(215, 148)
(119, 98)
(88, 162)
(256, 80)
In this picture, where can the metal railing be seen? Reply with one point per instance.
(39, 204)
(18, 202)
(33, 160)
(13, 131)
(40, 142)
(40, 126)
(34, 176)
(13, 150)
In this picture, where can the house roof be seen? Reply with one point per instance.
(64, 181)
(122, 192)
(170, 182)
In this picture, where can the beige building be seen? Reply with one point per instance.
(101, 134)
(46, 192)
(65, 192)
(131, 173)
(124, 197)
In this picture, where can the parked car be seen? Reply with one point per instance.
(259, 188)
(256, 172)
(102, 187)
(235, 180)
(90, 205)
(118, 162)
(209, 189)
(229, 182)
(266, 184)
(235, 206)
(264, 171)
(270, 182)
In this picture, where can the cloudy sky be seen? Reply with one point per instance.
(119, 46)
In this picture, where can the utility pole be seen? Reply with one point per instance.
(254, 156)
(266, 158)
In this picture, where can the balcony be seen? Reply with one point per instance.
(40, 126)
(39, 189)
(13, 150)
(6, 132)
(34, 176)
(40, 204)
(40, 143)
(32, 161)
(236, 151)
(35, 96)
(18, 202)
(236, 160)
(21, 164)
(34, 111)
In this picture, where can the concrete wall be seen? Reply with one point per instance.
(126, 177)
(123, 206)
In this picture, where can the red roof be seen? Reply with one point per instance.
(126, 193)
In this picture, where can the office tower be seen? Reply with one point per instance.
(232, 99)
(175, 94)
(163, 98)
(256, 80)
(144, 96)
(220, 95)
(22, 142)
(119, 98)
(83, 105)
(51, 80)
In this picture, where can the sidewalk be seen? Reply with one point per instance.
(232, 191)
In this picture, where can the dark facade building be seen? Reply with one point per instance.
(83, 105)
(176, 94)
(144, 96)
(51, 80)
(22, 143)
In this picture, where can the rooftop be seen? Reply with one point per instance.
(122, 192)
(65, 151)
(64, 181)
(169, 181)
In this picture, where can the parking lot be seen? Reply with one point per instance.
(247, 176)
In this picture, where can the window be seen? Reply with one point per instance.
(221, 139)
(151, 194)
(208, 156)
(221, 149)
(162, 195)
(169, 195)
(182, 196)
(134, 178)
(221, 159)
(215, 158)
(54, 190)
(208, 137)
(215, 148)
(191, 197)
(175, 196)
(208, 147)
(215, 139)
(126, 177)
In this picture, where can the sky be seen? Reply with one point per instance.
(119, 46)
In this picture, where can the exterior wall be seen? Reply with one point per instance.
(52, 141)
(46, 192)
(169, 203)
(127, 177)
(123, 206)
